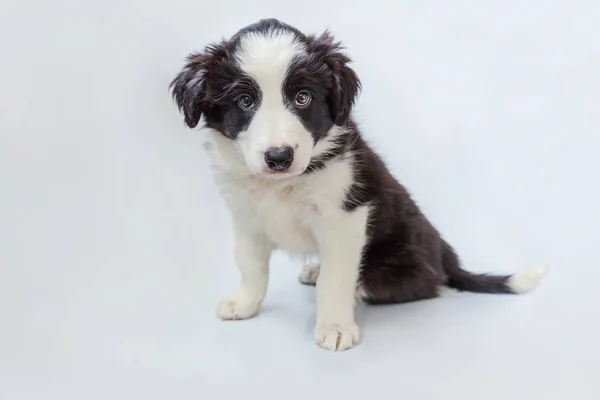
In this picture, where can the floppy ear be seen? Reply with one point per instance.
(344, 93)
(345, 84)
(189, 88)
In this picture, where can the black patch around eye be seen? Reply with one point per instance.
(223, 112)
(311, 75)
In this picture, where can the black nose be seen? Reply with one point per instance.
(279, 158)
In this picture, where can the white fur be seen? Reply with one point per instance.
(296, 213)
(284, 209)
(299, 214)
(341, 240)
(309, 274)
(252, 253)
(527, 280)
(266, 58)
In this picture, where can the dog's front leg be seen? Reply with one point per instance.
(252, 253)
(341, 242)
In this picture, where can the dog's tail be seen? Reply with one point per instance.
(459, 279)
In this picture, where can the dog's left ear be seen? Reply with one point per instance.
(345, 84)
(189, 87)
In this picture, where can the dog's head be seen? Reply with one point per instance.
(271, 90)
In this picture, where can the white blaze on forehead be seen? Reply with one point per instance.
(265, 57)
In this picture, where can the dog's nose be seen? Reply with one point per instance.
(279, 158)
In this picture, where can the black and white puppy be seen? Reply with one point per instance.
(297, 176)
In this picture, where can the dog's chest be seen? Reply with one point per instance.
(288, 214)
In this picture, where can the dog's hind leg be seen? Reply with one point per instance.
(309, 274)
(399, 276)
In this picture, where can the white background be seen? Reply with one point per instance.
(115, 247)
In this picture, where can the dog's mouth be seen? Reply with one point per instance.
(275, 173)
(284, 173)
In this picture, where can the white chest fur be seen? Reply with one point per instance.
(286, 214)
(286, 211)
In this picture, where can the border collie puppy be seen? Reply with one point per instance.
(296, 175)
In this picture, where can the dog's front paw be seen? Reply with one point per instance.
(337, 337)
(237, 307)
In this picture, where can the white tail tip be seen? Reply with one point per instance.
(527, 280)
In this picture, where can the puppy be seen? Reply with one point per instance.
(296, 175)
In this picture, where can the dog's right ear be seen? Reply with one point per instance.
(189, 87)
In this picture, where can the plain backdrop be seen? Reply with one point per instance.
(115, 246)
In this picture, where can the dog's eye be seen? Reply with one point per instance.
(245, 101)
(303, 98)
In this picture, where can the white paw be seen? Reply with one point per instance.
(337, 337)
(309, 274)
(236, 307)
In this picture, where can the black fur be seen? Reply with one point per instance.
(210, 83)
(324, 72)
(314, 78)
(405, 259)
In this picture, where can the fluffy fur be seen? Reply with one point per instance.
(296, 175)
